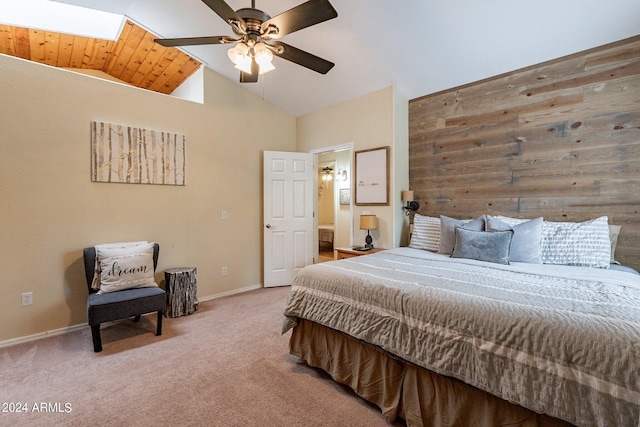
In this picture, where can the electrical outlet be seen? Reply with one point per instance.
(223, 272)
(27, 298)
(223, 215)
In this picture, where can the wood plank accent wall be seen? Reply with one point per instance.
(560, 140)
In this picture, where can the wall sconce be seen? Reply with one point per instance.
(341, 175)
(407, 196)
(368, 222)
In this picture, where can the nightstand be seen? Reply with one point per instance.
(342, 253)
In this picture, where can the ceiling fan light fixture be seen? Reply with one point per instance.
(244, 65)
(263, 57)
(265, 68)
(239, 55)
(255, 27)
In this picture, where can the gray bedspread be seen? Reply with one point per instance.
(559, 340)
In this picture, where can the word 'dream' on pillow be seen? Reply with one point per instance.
(126, 272)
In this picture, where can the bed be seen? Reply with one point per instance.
(442, 340)
(325, 234)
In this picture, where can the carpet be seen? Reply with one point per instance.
(224, 365)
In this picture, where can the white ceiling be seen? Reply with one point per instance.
(420, 46)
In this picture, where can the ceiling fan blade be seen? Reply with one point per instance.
(253, 77)
(224, 11)
(303, 58)
(190, 41)
(302, 16)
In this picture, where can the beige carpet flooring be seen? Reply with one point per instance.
(225, 365)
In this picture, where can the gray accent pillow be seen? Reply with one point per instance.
(490, 246)
(525, 246)
(448, 231)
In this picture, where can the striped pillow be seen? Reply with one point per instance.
(585, 244)
(426, 233)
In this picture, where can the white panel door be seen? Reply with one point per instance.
(288, 215)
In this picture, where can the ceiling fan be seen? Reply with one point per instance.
(256, 32)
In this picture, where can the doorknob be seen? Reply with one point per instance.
(269, 226)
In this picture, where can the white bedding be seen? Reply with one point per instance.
(559, 340)
(566, 271)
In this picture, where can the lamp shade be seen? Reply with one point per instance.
(263, 57)
(368, 222)
(239, 55)
(407, 196)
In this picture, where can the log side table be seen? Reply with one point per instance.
(181, 291)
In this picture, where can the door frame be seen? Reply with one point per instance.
(341, 147)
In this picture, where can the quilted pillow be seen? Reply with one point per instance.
(426, 233)
(527, 235)
(448, 232)
(490, 246)
(585, 244)
(126, 268)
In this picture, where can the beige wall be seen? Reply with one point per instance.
(50, 209)
(374, 120)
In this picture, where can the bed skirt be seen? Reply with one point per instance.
(401, 389)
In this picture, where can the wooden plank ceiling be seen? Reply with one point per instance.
(134, 58)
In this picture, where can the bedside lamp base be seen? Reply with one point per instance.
(368, 241)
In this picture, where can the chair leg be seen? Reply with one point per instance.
(136, 319)
(159, 328)
(95, 334)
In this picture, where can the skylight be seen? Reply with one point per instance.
(62, 18)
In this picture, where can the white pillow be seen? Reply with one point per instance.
(511, 221)
(426, 233)
(100, 251)
(126, 268)
(584, 244)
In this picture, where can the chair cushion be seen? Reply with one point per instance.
(122, 304)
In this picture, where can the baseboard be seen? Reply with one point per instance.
(68, 329)
(228, 293)
(40, 335)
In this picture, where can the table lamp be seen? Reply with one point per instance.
(368, 222)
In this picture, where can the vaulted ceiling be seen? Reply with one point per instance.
(134, 58)
(420, 46)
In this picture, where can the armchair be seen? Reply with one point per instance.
(106, 307)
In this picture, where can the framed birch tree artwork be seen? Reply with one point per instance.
(139, 156)
(372, 177)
